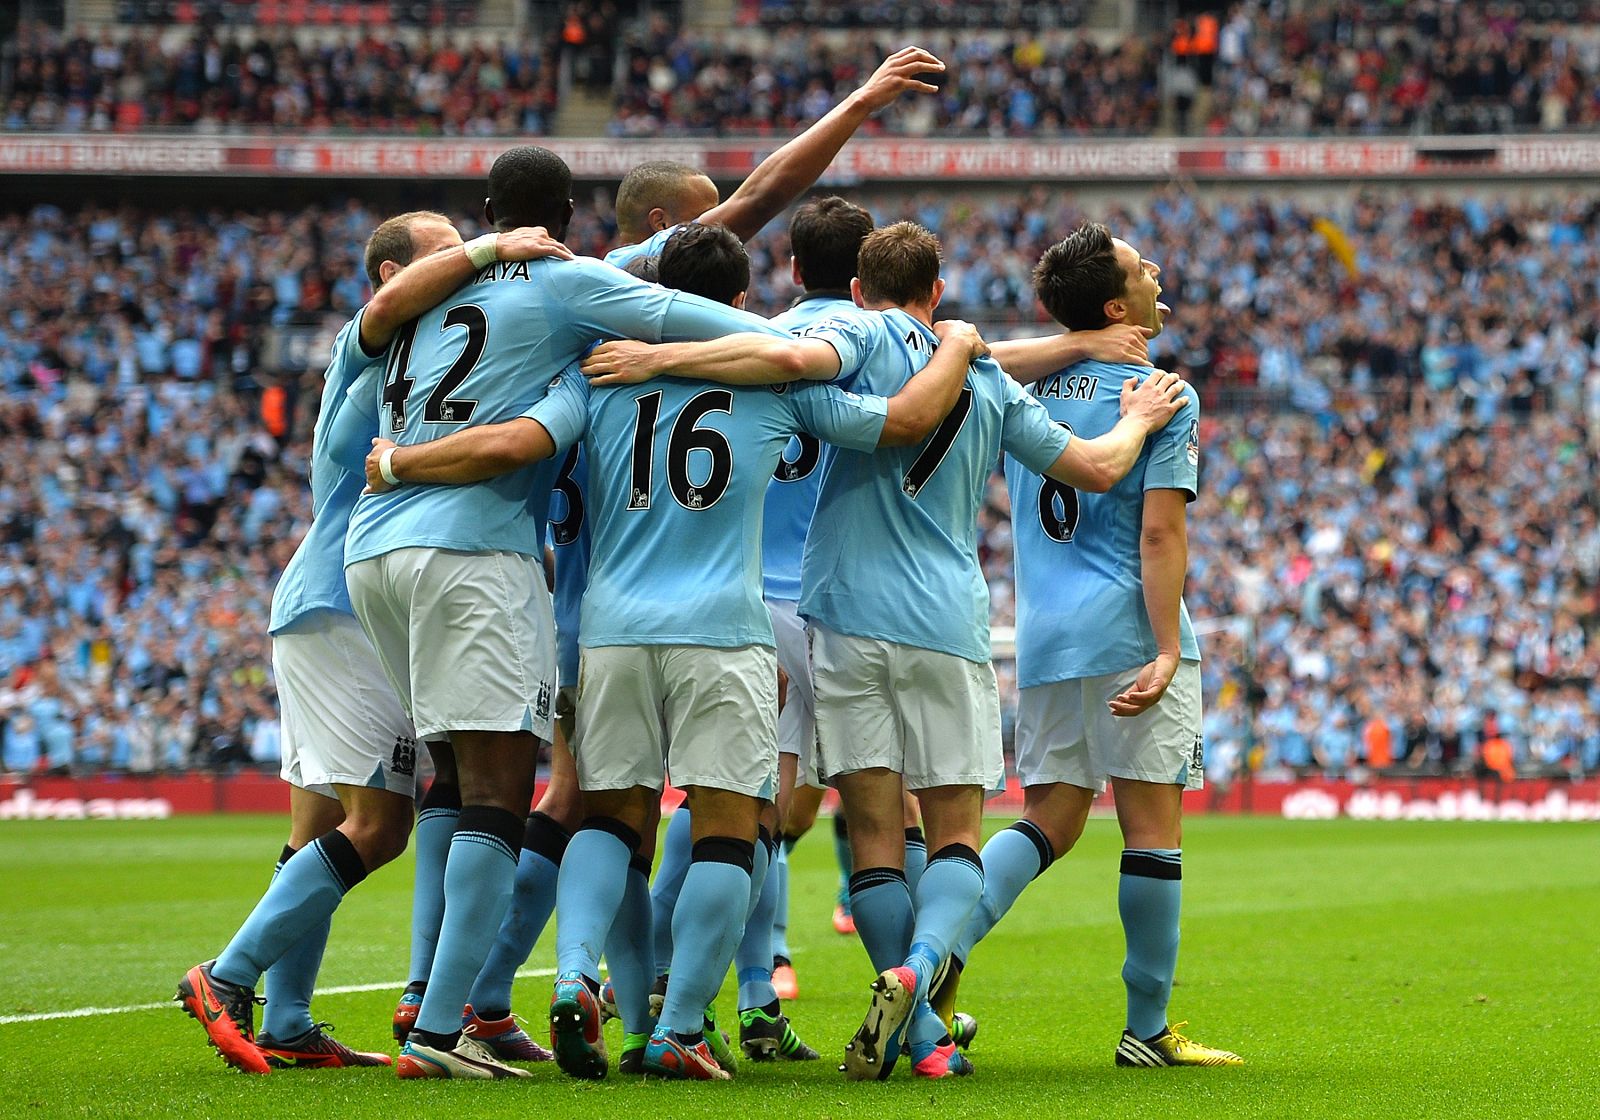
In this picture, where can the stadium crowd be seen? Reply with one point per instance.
(1397, 466)
(1251, 69)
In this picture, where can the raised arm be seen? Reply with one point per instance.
(1164, 561)
(791, 170)
(736, 359)
(1026, 360)
(1099, 464)
(423, 284)
(470, 455)
(929, 396)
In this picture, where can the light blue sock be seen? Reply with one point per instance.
(779, 873)
(630, 952)
(916, 858)
(532, 900)
(881, 902)
(841, 856)
(1148, 898)
(949, 891)
(478, 879)
(289, 980)
(594, 875)
(752, 960)
(925, 1030)
(301, 898)
(676, 850)
(431, 841)
(1012, 859)
(708, 927)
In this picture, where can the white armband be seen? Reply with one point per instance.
(386, 466)
(481, 251)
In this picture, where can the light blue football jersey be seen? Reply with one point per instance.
(792, 493)
(1080, 602)
(570, 541)
(314, 577)
(893, 548)
(623, 255)
(487, 354)
(678, 472)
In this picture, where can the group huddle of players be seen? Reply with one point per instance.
(765, 581)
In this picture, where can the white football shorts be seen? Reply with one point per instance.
(342, 722)
(468, 639)
(932, 717)
(702, 716)
(1065, 733)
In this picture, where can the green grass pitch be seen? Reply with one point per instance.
(1363, 969)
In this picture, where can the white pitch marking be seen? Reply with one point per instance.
(339, 990)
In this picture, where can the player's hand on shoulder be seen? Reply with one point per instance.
(961, 333)
(1119, 344)
(376, 483)
(900, 73)
(529, 243)
(1155, 400)
(622, 362)
(1147, 689)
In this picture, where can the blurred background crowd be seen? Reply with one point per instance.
(1019, 70)
(1395, 553)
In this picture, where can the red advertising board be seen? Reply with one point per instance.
(156, 797)
(864, 160)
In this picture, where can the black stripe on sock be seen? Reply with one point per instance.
(764, 838)
(641, 864)
(490, 820)
(725, 849)
(915, 838)
(1147, 866)
(875, 877)
(287, 854)
(440, 795)
(1041, 844)
(789, 842)
(342, 859)
(958, 851)
(840, 828)
(544, 837)
(613, 827)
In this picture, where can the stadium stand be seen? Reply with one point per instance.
(1416, 492)
(1016, 70)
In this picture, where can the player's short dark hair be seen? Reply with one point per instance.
(392, 241)
(898, 264)
(645, 268)
(1078, 275)
(825, 237)
(657, 183)
(706, 260)
(530, 186)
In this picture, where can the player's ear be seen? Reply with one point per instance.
(938, 293)
(488, 212)
(855, 291)
(738, 301)
(387, 271)
(657, 220)
(1116, 311)
(794, 271)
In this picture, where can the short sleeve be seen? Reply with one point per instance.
(350, 423)
(599, 299)
(1028, 434)
(841, 418)
(564, 408)
(853, 337)
(1174, 462)
(692, 318)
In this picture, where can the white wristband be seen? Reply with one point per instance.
(481, 251)
(386, 466)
